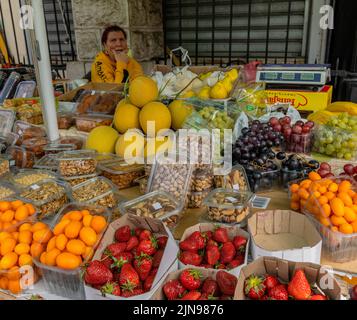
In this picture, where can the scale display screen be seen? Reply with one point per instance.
(271, 76)
(288, 76)
(308, 76)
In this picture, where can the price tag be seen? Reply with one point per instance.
(20, 132)
(12, 163)
(157, 206)
(236, 187)
(93, 93)
(35, 187)
(232, 200)
(261, 202)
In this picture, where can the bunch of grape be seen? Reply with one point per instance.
(217, 118)
(344, 121)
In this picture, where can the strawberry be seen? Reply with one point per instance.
(148, 282)
(220, 266)
(210, 287)
(191, 258)
(190, 279)
(96, 273)
(129, 278)
(132, 243)
(207, 266)
(148, 247)
(235, 263)
(271, 281)
(137, 232)
(161, 242)
(299, 287)
(154, 271)
(278, 292)
(112, 288)
(318, 297)
(206, 296)
(192, 295)
(254, 287)
(123, 234)
(198, 240)
(121, 259)
(157, 258)
(143, 266)
(226, 282)
(240, 243)
(212, 255)
(145, 235)
(115, 248)
(226, 297)
(212, 243)
(207, 235)
(106, 260)
(188, 245)
(221, 235)
(263, 298)
(228, 253)
(131, 293)
(173, 289)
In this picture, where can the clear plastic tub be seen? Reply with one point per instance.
(300, 143)
(237, 180)
(65, 120)
(229, 206)
(97, 191)
(68, 283)
(76, 163)
(10, 86)
(47, 195)
(74, 181)
(48, 162)
(36, 146)
(30, 113)
(88, 122)
(263, 181)
(25, 178)
(120, 173)
(25, 89)
(287, 176)
(195, 199)
(5, 164)
(55, 148)
(143, 184)
(7, 119)
(23, 158)
(10, 139)
(28, 131)
(202, 179)
(7, 190)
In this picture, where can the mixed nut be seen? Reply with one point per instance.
(74, 165)
(202, 179)
(235, 180)
(26, 179)
(6, 192)
(4, 166)
(195, 199)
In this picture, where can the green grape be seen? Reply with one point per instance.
(348, 156)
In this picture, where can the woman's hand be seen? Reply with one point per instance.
(121, 56)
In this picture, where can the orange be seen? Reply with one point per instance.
(16, 204)
(303, 194)
(338, 207)
(66, 216)
(8, 261)
(347, 200)
(59, 228)
(329, 195)
(326, 210)
(4, 235)
(317, 194)
(42, 236)
(85, 213)
(305, 184)
(51, 244)
(14, 273)
(15, 235)
(25, 226)
(72, 229)
(68, 261)
(322, 190)
(31, 209)
(314, 176)
(76, 247)
(22, 213)
(25, 260)
(22, 248)
(14, 286)
(346, 228)
(87, 220)
(344, 186)
(98, 224)
(43, 257)
(51, 257)
(25, 237)
(350, 215)
(295, 206)
(7, 246)
(323, 200)
(88, 253)
(354, 225)
(337, 221)
(333, 187)
(88, 236)
(36, 249)
(61, 242)
(5, 205)
(4, 283)
(294, 197)
(39, 226)
(8, 216)
(76, 216)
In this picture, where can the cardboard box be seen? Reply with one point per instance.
(286, 235)
(159, 294)
(302, 100)
(285, 270)
(68, 97)
(168, 262)
(232, 232)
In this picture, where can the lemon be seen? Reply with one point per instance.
(143, 90)
(204, 76)
(187, 95)
(219, 91)
(102, 139)
(131, 144)
(179, 112)
(232, 74)
(204, 93)
(158, 114)
(227, 83)
(126, 117)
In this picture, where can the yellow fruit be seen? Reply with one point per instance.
(227, 83)
(130, 145)
(22, 248)
(61, 242)
(98, 224)
(25, 260)
(87, 220)
(187, 94)
(88, 236)
(102, 139)
(51, 257)
(51, 244)
(72, 230)
(179, 112)
(76, 247)
(159, 116)
(233, 74)
(8, 261)
(7, 246)
(204, 93)
(68, 261)
(155, 146)
(59, 228)
(143, 90)
(42, 236)
(126, 117)
(219, 91)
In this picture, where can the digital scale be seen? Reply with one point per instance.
(315, 75)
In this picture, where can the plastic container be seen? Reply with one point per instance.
(143, 184)
(10, 86)
(36, 146)
(25, 178)
(237, 179)
(76, 163)
(202, 179)
(74, 181)
(195, 199)
(48, 162)
(49, 196)
(263, 181)
(7, 190)
(87, 123)
(287, 176)
(6, 162)
(300, 143)
(23, 158)
(65, 120)
(77, 142)
(55, 148)
(25, 89)
(28, 131)
(120, 173)
(7, 119)
(97, 191)
(229, 206)
(9, 140)
(30, 113)
(68, 283)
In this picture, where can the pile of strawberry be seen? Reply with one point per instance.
(213, 250)
(270, 288)
(191, 286)
(127, 267)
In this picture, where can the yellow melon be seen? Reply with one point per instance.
(143, 90)
(131, 144)
(102, 139)
(154, 113)
(126, 117)
(179, 112)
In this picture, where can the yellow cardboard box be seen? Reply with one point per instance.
(302, 100)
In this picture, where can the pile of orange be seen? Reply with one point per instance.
(18, 247)
(13, 212)
(332, 201)
(73, 240)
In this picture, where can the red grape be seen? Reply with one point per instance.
(325, 166)
(277, 128)
(306, 129)
(323, 173)
(329, 175)
(273, 121)
(287, 132)
(297, 129)
(355, 170)
(349, 169)
(310, 124)
(300, 123)
(287, 120)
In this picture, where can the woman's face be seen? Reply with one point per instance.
(116, 43)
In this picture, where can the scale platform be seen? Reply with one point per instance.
(294, 74)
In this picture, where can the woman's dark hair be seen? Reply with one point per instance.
(112, 29)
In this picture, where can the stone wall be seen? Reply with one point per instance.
(142, 19)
